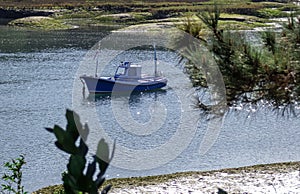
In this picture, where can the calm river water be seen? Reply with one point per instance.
(37, 73)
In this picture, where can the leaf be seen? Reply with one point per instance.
(59, 146)
(221, 191)
(103, 150)
(64, 141)
(113, 151)
(59, 133)
(7, 187)
(7, 164)
(102, 156)
(73, 125)
(69, 183)
(68, 146)
(106, 189)
(100, 180)
(8, 178)
(84, 133)
(86, 184)
(83, 149)
(91, 169)
(49, 129)
(76, 165)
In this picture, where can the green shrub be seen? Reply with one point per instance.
(15, 179)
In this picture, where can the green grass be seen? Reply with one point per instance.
(271, 13)
(236, 25)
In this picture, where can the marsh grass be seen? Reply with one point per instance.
(272, 13)
(101, 12)
(236, 25)
(239, 7)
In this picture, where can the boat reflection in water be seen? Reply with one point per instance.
(133, 96)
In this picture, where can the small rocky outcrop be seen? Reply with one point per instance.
(40, 22)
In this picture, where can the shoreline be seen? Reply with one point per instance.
(266, 178)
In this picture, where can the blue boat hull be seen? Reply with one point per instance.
(109, 85)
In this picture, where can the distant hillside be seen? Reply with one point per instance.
(84, 3)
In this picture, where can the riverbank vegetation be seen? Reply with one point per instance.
(266, 74)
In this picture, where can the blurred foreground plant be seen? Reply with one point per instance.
(81, 176)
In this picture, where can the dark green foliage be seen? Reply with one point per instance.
(269, 39)
(78, 177)
(253, 74)
(282, 80)
(14, 179)
(210, 18)
(237, 61)
(192, 27)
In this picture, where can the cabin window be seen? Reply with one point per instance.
(121, 71)
(132, 72)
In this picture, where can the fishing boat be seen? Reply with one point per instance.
(128, 77)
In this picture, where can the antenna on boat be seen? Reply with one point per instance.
(97, 63)
(96, 68)
(155, 61)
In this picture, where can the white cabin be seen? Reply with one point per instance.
(127, 70)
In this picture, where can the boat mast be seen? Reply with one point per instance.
(96, 68)
(155, 61)
(97, 63)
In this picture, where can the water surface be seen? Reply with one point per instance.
(37, 72)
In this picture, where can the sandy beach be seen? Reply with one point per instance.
(274, 178)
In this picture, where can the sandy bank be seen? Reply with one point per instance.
(273, 178)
